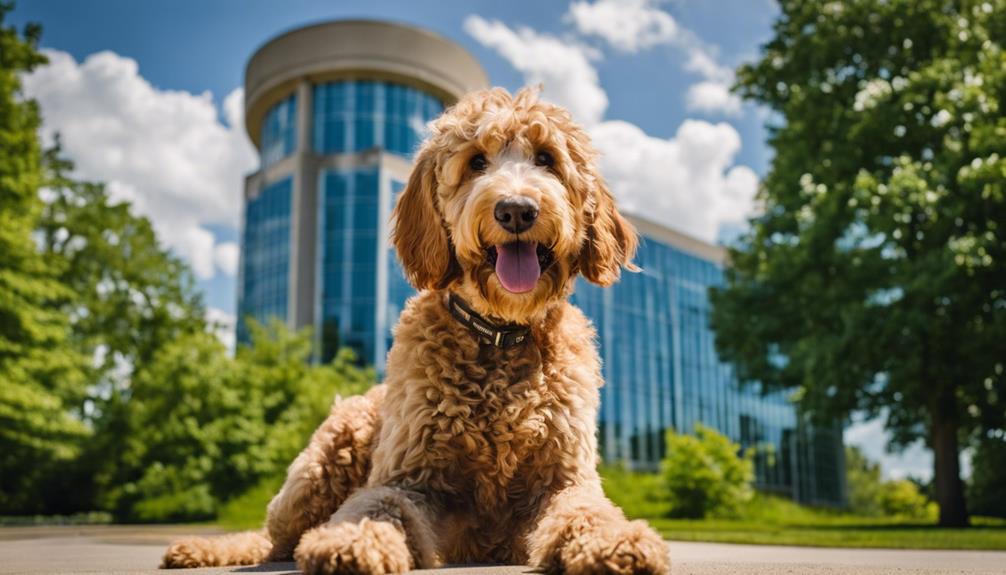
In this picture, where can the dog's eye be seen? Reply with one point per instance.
(478, 163)
(544, 159)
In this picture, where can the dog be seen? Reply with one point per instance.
(480, 446)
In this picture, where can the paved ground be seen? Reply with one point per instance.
(125, 550)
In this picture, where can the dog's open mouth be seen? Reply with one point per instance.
(519, 264)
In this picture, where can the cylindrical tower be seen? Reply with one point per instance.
(336, 111)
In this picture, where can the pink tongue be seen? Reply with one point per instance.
(517, 266)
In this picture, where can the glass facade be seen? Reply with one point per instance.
(348, 229)
(279, 131)
(353, 205)
(662, 371)
(265, 256)
(351, 116)
(360, 287)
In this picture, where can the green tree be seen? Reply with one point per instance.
(874, 276)
(131, 296)
(706, 474)
(132, 293)
(294, 396)
(186, 418)
(204, 428)
(902, 498)
(863, 481)
(870, 495)
(40, 378)
(986, 492)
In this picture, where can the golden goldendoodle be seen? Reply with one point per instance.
(480, 445)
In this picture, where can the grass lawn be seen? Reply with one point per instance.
(766, 520)
(770, 520)
(853, 532)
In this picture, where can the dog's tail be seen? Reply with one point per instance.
(246, 548)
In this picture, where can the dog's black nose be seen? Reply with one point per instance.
(516, 214)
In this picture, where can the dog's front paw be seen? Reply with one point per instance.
(191, 552)
(365, 548)
(622, 548)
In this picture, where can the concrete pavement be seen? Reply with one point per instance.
(136, 550)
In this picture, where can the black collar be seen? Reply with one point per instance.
(502, 336)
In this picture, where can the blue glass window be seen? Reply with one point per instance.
(265, 262)
(355, 115)
(662, 370)
(348, 230)
(279, 131)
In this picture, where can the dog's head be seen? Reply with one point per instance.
(505, 206)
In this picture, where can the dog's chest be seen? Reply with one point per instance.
(491, 426)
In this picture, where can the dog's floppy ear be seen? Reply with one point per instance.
(611, 240)
(419, 234)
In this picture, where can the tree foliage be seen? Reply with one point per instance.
(204, 427)
(987, 489)
(131, 295)
(40, 378)
(863, 482)
(705, 474)
(874, 276)
(870, 495)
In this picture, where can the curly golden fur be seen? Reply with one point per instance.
(471, 452)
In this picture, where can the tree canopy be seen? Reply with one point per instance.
(874, 276)
(41, 379)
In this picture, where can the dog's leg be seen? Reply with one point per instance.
(378, 530)
(334, 464)
(580, 532)
(245, 548)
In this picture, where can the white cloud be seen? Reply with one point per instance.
(165, 151)
(702, 62)
(563, 68)
(628, 25)
(713, 96)
(687, 182)
(222, 325)
(632, 25)
(226, 255)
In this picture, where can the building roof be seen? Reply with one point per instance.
(357, 49)
(681, 241)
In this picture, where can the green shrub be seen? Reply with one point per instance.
(706, 474)
(863, 481)
(986, 489)
(902, 498)
(205, 428)
(871, 496)
(189, 503)
(638, 494)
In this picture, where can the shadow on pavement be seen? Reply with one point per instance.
(283, 568)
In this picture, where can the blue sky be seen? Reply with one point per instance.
(204, 45)
(199, 47)
(146, 96)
